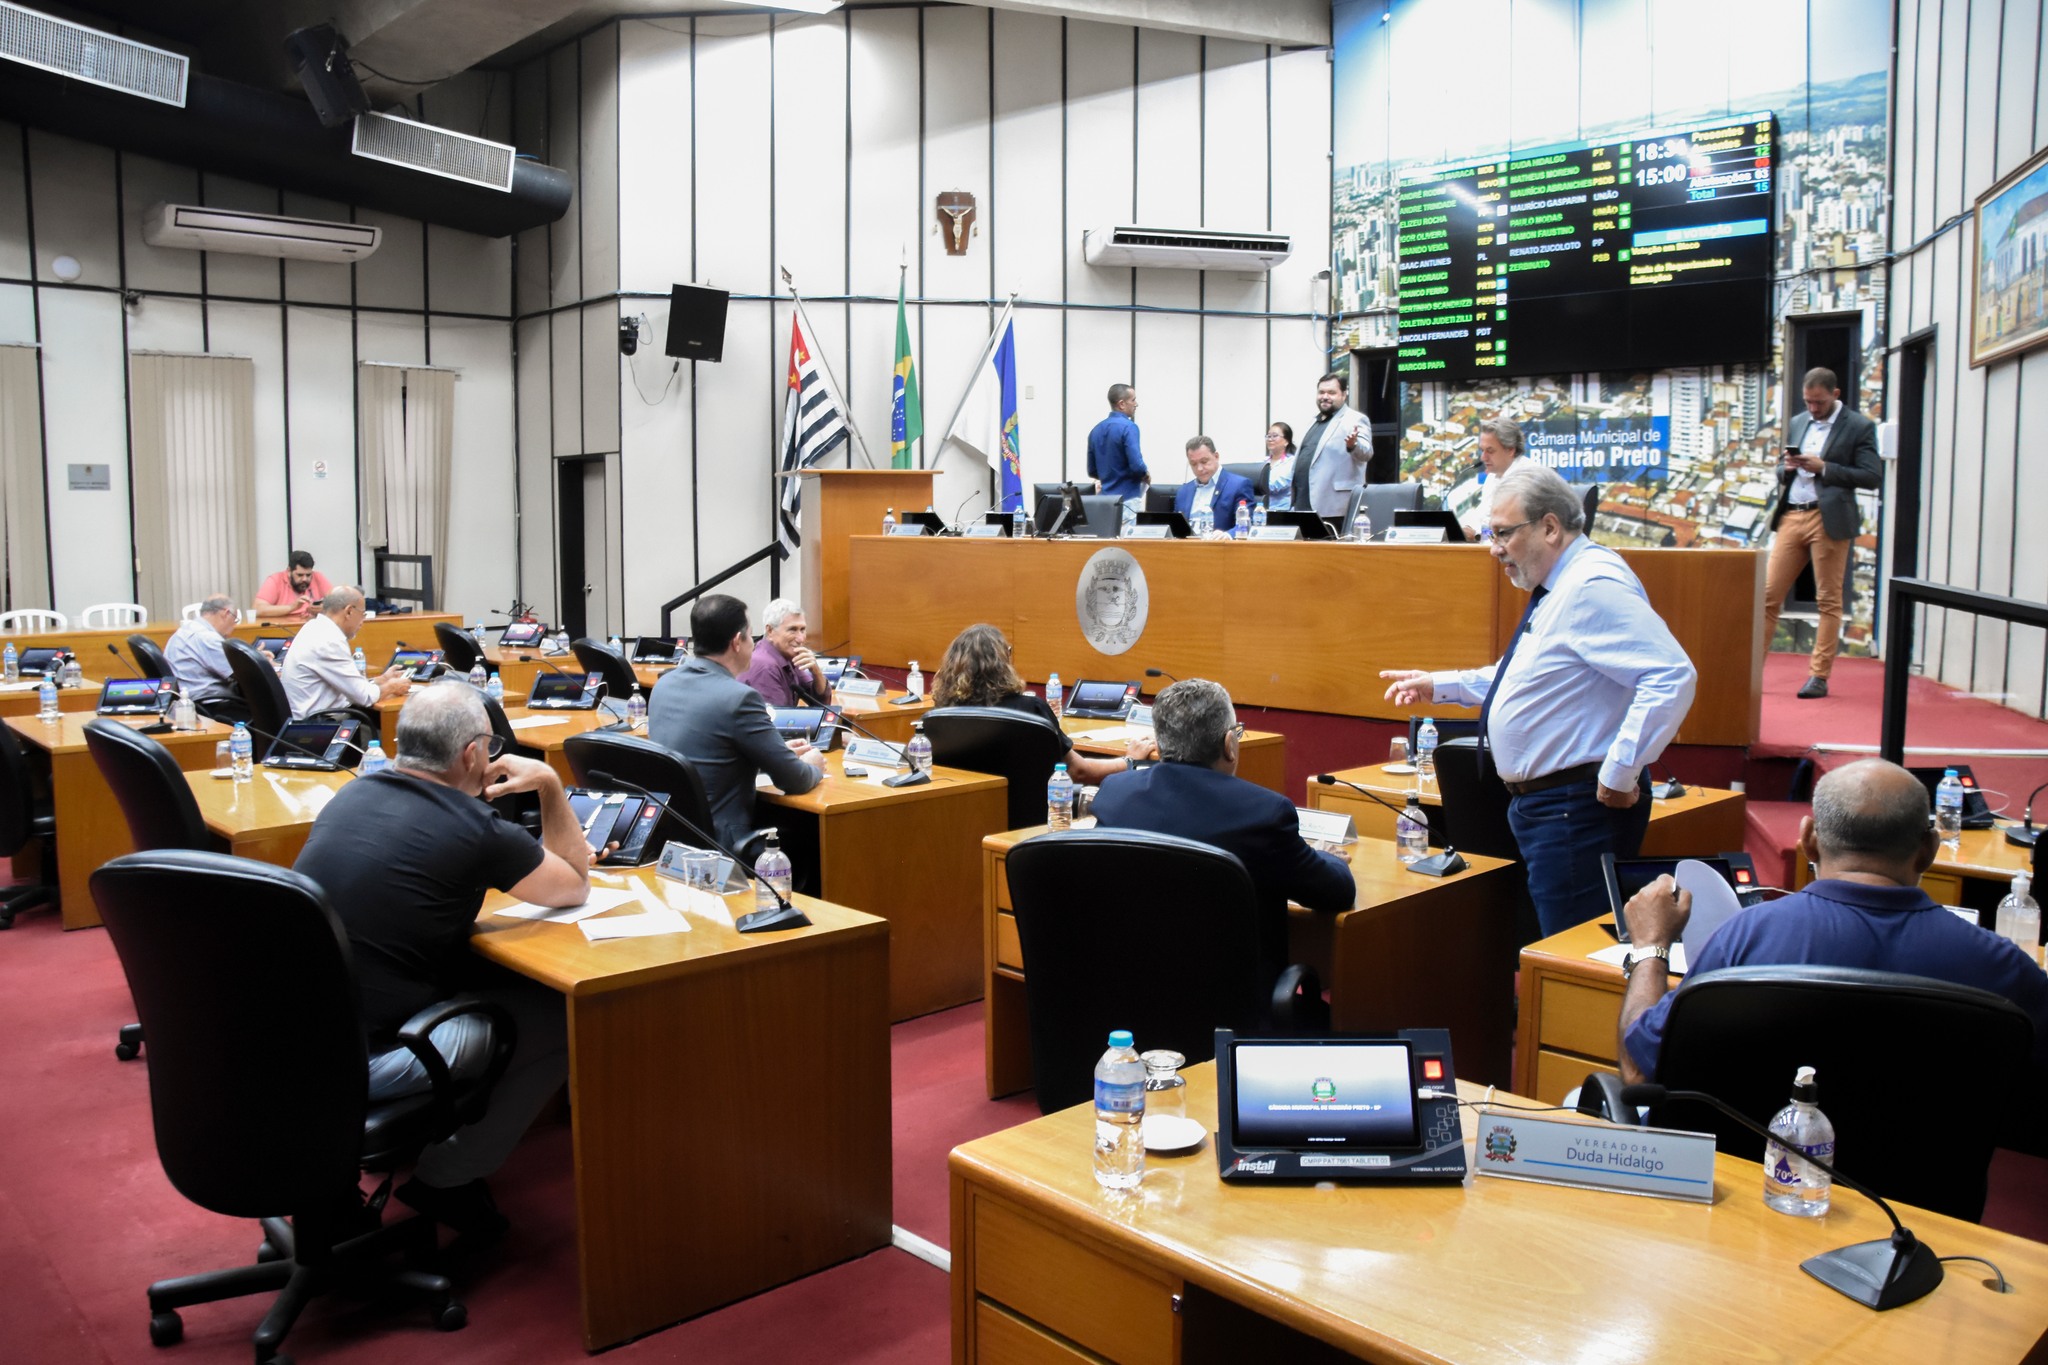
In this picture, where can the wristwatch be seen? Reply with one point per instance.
(1640, 954)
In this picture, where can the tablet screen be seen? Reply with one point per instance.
(1097, 696)
(1323, 1096)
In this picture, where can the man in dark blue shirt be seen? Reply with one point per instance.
(1114, 459)
(1870, 838)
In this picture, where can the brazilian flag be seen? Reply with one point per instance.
(906, 422)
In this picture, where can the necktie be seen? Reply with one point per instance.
(1499, 674)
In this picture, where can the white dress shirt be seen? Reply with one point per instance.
(1482, 515)
(199, 663)
(1805, 486)
(320, 672)
(1599, 679)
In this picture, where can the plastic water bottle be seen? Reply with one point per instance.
(1425, 751)
(1059, 799)
(74, 672)
(919, 750)
(1258, 518)
(1948, 809)
(10, 663)
(2019, 917)
(1120, 1115)
(362, 662)
(636, 709)
(913, 681)
(184, 713)
(374, 759)
(1411, 832)
(1791, 1185)
(1055, 695)
(1361, 526)
(614, 643)
(478, 676)
(46, 695)
(771, 869)
(1020, 525)
(1204, 522)
(1240, 520)
(889, 522)
(242, 752)
(476, 633)
(495, 689)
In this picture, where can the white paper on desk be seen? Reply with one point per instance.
(1111, 734)
(1612, 956)
(29, 686)
(645, 925)
(535, 722)
(600, 901)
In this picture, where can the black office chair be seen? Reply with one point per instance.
(1381, 501)
(149, 658)
(158, 804)
(594, 656)
(1591, 503)
(1190, 959)
(259, 1094)
(22, 820)
(1475, 820)
(1884, 1046)
(1248, 470)
(458, 648)
(1008, 744)
(643, 763)
(270, 710)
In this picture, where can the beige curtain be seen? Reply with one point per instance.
(23, 525)
(408, 441)
(193, 421)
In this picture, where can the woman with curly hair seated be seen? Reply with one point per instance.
(977, 672)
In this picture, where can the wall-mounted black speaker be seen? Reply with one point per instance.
(696, 322)
(319, 59)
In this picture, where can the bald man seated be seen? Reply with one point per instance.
(320, 672)
(1869, 835)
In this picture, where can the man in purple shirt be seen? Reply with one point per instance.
(1870, 838)
(784, 670)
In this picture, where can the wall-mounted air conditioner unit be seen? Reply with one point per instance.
(1186, 248)
(258, 234)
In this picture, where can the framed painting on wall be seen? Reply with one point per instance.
(2009, 281)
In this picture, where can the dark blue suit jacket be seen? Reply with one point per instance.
(1231, 490)
(1239, 817)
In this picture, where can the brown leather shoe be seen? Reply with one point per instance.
(1815, 687)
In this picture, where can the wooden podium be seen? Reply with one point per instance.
(838, 504)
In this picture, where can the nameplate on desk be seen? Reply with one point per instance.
(912, 528)
(1277, 533)
(982, 530)
(859, 687)
(1148, 533)
(1664, 1163)
(1139, 715)
(671, 865)
(865, 750)
(1415, 535)
(1326, 826)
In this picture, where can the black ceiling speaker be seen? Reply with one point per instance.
(319, 59)
(696, 322)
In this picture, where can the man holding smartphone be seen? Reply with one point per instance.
(1830, 452)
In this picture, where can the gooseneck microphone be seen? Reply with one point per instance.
(2024, 836)
(1441, 865)
(953, 522)
(1879, 1274)
(783, 916)
(912, 776)
(1160, 673)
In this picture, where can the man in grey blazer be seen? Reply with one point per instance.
(702, 711)
(1830, 452)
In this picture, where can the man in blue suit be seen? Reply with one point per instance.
(1195, 793)
(1214, 488)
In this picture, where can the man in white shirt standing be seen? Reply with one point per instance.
(320, 671)
(200, 666)
(1591, 690)
(1500, 446)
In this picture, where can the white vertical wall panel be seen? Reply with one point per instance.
(734, 243)
(885, 219)
(565, 340)
(736, 439)
(76, 210)
(14, 261)
(810, 153)
(601, 376)
(1688, 61)
(2019, 54)
(1234, 386)
(252, 277)
(393, 275)
(85, 422)
(17, 314)
(1926, 128)
(598, 156)
(1954, 37)
(1029, 250)
(145, 183)
(467, 273)
(536, 530)
(565, 253)
(479, 576)
(956, 152)
(1981, 98)
(1301, 208)
(1991, 570)
(322, 423)
(1613, 35)
(658, 529)
(2028, 645)
(1543, 88)
(870, 348)
(1169, 178)
(655, 135)
(255, 330)
(314, 281)
(1101, 141)
(159, 324)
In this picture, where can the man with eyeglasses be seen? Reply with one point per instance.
(1590, 691)
(199, 664)
(405, 857)
(1194, 792)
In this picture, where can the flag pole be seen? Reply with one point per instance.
(825, 368)
(974, 375)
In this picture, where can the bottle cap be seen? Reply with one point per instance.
(1120, 1038)
(1949, 773)
(2021, 883)
(1804, 1088)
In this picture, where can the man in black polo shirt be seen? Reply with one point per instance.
(405, 857)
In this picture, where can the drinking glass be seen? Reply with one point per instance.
(1397, 750)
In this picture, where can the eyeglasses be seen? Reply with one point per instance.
(494, 743)
(1505, 532)
(1237, 731)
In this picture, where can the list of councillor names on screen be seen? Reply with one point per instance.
(1655, 248)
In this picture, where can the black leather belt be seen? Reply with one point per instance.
(1563, 777)
(1802, 506)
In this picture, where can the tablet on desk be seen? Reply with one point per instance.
(565, 691)
(814, 724)
(623, 818)
(274, 645)
(656, 649)
(133, 697)
(39, 660)
(1093, 699)
(521, 635)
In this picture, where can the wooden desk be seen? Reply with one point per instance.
(729, 1096)
(1705, 820)
(1494, 1272)
(1980, 854)
(1261, 754)
(1213, 612)
(909, 854)
(378, 638)
(1413, 948)
(889, 721)
(268, 817)
(19, 700)
(90, 826)
(550, 738)
(1571, 1011)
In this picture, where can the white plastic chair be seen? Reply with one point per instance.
(189, 612)
(111, 615)
(31, 619)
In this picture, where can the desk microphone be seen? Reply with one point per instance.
(436, 665)
(911, 776)
(1160, 673)
(1880, 1274)
(1441, 865)
(169, 687)
(783, 916)
(953, 522)
(317, 755)
(2026, 836)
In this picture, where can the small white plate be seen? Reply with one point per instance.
(1169, 1133)
(1399, 769)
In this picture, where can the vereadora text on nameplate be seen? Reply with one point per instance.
(1664, 1163)
(1416, 535)
(1326, 826)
